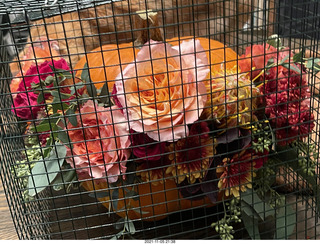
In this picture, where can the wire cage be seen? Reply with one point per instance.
(160, 119)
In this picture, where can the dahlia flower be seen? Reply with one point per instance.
(190, 157)
(237, 173)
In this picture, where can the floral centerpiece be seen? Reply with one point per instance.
(172, 134)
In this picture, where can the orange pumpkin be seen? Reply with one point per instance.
(106, 62)
(154, 203)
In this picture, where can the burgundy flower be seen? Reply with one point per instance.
(115, 98)
(145, 148)
(25, 102)
(42, 71)
(24, 105)
(287, 101)
(191, 157)
(236, 173)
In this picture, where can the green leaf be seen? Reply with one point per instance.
(132, 194)
(85, 75)
(61, 72)
(119, 224)
(35, 85)
(63, 136)
(312, 64)
(91, 89)
(274, 41)
(72, 116)
(48, 148)
(65, 176)
(129, 226)
(60, 95)
(104, 94)
(286, 154)
(298, 57)
(104, 90)
(99, 194)
(251, 225)
(270, 62)
(139, 211)
(289, 155)
(115, 196)
(49, 80)
(75, 87)
(282, 61)
(259, 206)
(285, 222)
(44, 127)
(58, 105)
(40, 97)
(249, 210)
(52, 119)
(44, 172)
(292, 66)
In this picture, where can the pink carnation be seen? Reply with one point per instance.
(101, 144)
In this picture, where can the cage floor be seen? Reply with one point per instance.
(7, 230)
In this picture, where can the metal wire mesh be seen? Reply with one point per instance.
(121, 119)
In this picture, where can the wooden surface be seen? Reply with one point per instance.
(7, 230)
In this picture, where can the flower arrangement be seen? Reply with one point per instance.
(175, 128)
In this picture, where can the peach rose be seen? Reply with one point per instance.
(163, 90)
(100, 144)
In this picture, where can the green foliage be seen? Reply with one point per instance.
(253, 205)
(21, 170)
(285, 222)
(262, 137)
(275, 41)
(85, 76)
(127, 227)
(44, 172)
(231, 214)
(66, 179)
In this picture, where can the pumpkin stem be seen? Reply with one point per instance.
(146, 21)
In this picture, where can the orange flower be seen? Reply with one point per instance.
(163, 90)
(232, 98)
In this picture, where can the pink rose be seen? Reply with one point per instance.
(100, 145)
(163, 90)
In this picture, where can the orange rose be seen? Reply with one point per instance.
(163, 90)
